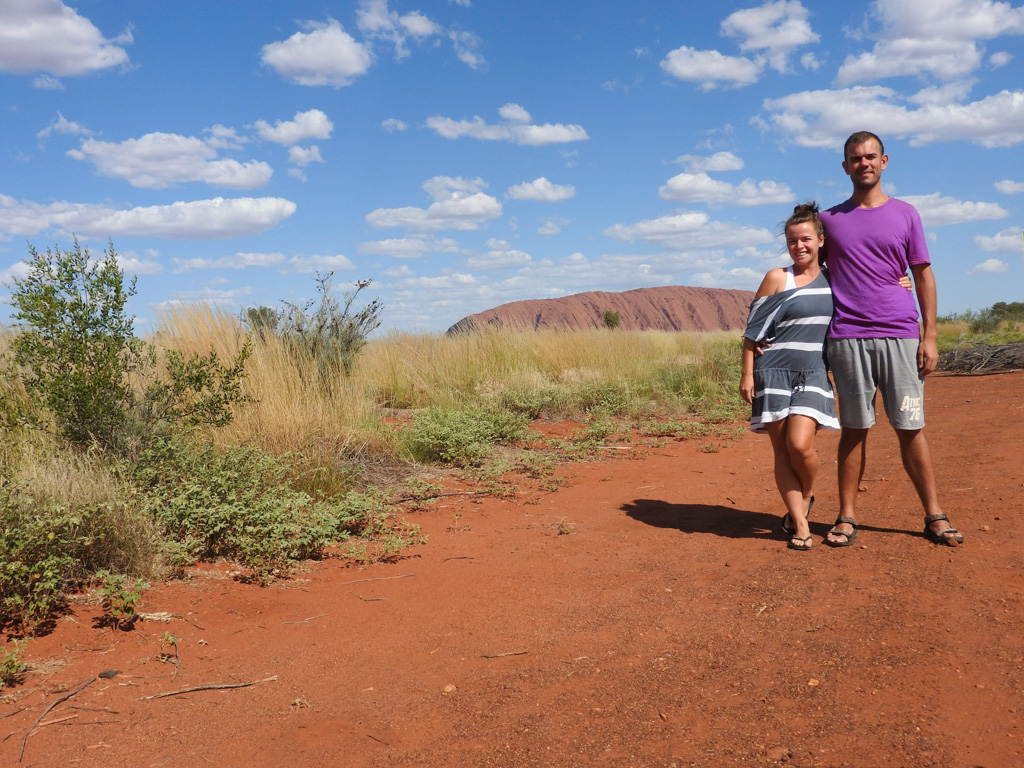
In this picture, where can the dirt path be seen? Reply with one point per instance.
(669, 627)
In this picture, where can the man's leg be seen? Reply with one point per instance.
(852, 450)
(917, 460)
(903, 394)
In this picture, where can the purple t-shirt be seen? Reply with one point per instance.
(867, 250)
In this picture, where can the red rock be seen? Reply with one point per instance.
(669, 308)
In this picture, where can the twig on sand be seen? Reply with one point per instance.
(500, 655)
(72, 716)
(46, 711)
(434, 496)
(381, 578)
(306, 621)
(209, 687)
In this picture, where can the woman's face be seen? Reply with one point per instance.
(803, 242)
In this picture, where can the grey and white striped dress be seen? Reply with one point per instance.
(791, 377)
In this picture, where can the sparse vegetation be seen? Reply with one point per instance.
(127, 458)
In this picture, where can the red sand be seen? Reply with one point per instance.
(670, 627)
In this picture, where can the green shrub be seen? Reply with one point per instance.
(327, 329)
(77, 356)
(461, 437)
(39, 544)
(532, 403)
(119, 601)
(12, 669)
(238, 503)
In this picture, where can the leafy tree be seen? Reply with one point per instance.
(77, 343)
(80, 360)
(612, 319)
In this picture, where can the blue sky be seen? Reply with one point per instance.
(462, 154)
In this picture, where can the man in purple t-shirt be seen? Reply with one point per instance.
(875, 342)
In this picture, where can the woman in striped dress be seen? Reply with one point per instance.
(788, 384)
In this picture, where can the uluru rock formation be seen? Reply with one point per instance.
(669, 308)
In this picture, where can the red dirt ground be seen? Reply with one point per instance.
(669, 627)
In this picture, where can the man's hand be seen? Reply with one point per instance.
(927, 357)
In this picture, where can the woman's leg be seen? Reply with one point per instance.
(790, 481)
(803, 456)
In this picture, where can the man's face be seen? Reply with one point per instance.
(864, 163)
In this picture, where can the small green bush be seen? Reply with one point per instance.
(462, 437)
(238, 503)
(12, 669)
(328, 330)
(39, 544)
(119, 600)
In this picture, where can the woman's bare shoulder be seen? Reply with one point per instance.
(774, 282)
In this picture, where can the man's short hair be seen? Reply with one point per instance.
(859, 138)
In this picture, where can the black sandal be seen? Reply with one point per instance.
(798, 547)
(949, 536)
(785, 525)
(836, 532)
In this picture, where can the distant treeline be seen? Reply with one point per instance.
(988, 319)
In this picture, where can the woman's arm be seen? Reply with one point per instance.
(747, 374)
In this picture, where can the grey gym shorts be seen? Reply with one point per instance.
(862, 366)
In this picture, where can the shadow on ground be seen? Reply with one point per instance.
(719, 520)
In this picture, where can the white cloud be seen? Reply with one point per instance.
(937, 38)
(378, 23)
(1008, 241)
(948, 93)
(63, 126)
(552, 226)
(738, 278)
(825, 118)
(989, 267)
(312, 124)
(17, 271)
(459, 204)
(1008, 187)
(541, 190)
(308, 264)
(196, 220)
(303, 157)
(774, 28)
(500, 255)
(157, 160)
(324, 55)
(47, 83)
(1000, 59)
(516, 129)
(467, 48)
(711, 69)
(938, 211)
(409, 247)
(442, 188)
(470, 212)
(720, 161)
(48, 36)
(206, 295)
(394, 125)
(240, 260)
(690, 231)
(133, 264)
(701, 188)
